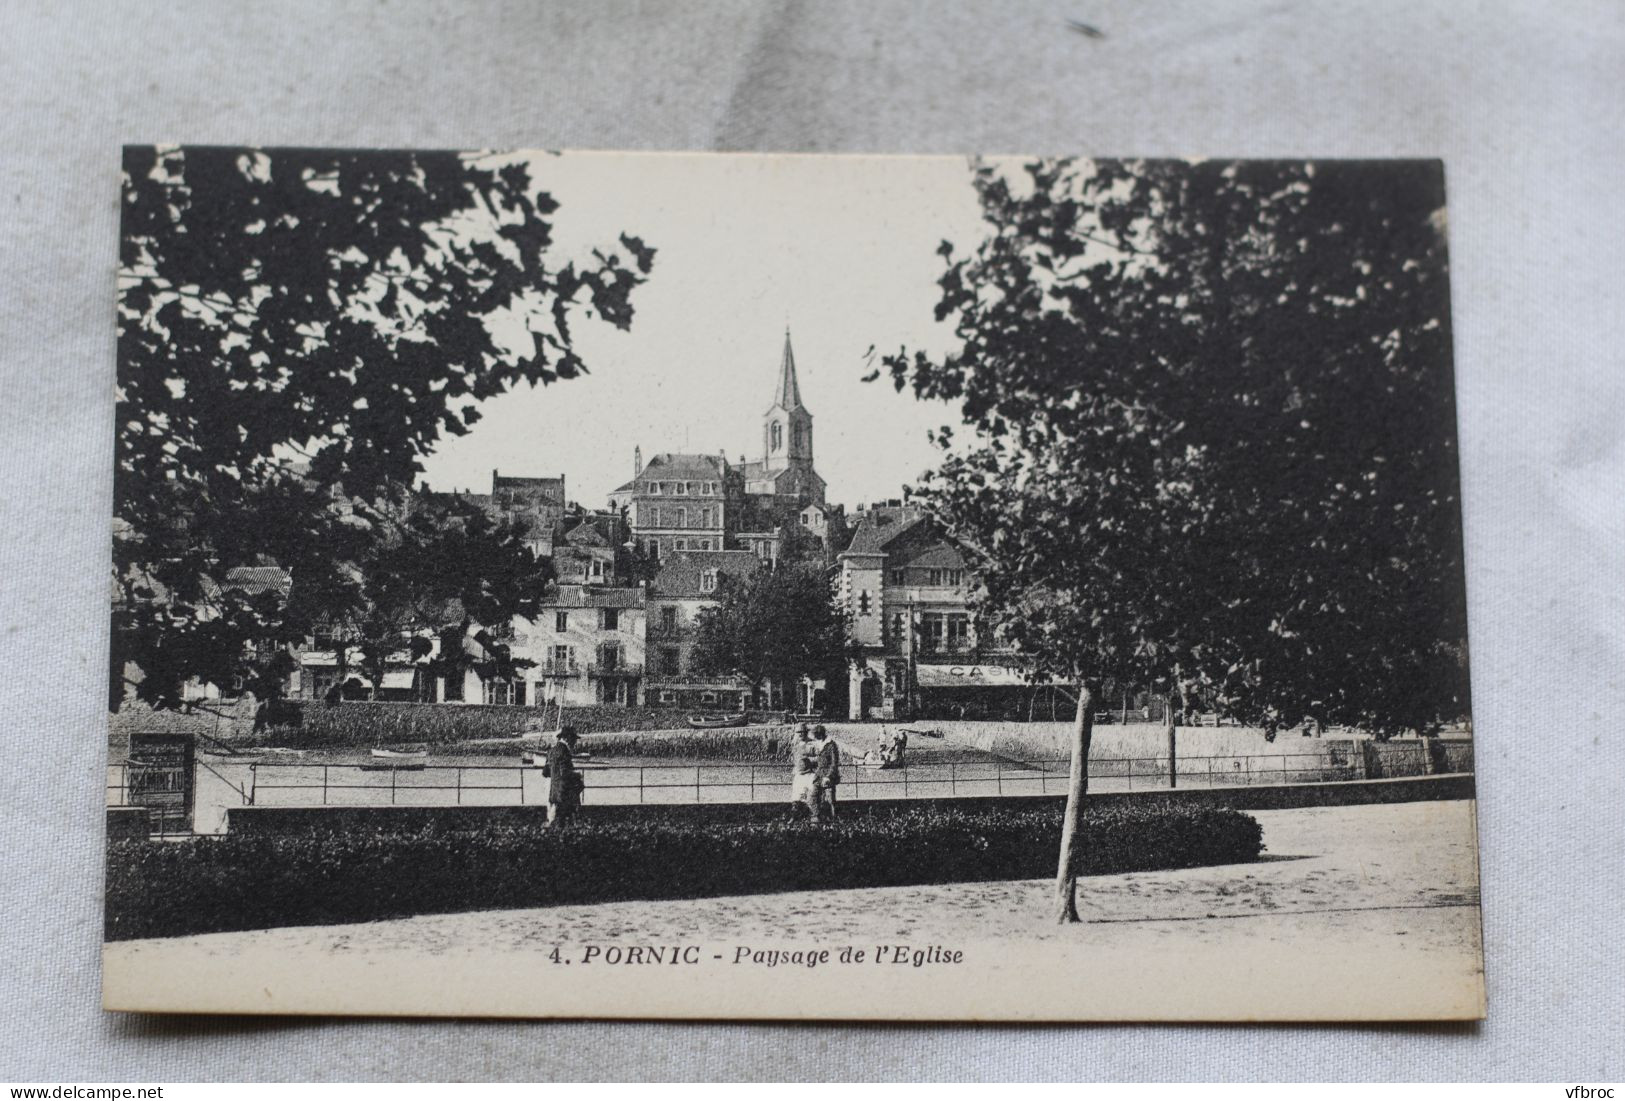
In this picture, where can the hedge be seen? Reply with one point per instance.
(204, 885)
(312, 724)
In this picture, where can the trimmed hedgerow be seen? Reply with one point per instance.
(161, 889)
(309, 724)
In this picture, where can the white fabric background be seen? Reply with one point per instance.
(1526, 103)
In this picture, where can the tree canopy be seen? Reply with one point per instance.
(297, 329)
(780, 624)
(1211, 437)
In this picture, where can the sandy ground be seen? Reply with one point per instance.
(1356, 913)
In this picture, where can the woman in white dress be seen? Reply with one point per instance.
(803, 771)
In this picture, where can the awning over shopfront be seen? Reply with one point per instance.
(975, 676)
(397, 678)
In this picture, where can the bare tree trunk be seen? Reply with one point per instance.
(1173, 749)
(1066, 876)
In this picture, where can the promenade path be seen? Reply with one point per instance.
(936, 769)
(1351, 908)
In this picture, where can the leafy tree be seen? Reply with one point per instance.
(781, 625)
(317, 313)
(1212, 435)
(443, 568)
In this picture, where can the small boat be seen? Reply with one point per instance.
(393, 766)
(416, 752)
(912, 733)
(232, 756)
(715, 722)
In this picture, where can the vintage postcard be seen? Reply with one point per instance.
(714, 586)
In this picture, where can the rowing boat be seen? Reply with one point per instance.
(715, 722)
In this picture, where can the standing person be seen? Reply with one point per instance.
(827, 776)
(803, 766)
(564, 792)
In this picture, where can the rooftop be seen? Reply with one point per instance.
(671, 466)
(680, 573)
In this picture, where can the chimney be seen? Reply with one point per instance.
(637, 461)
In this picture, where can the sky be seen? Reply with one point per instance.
(842, 250)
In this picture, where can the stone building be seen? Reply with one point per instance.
(906, 589)
(585, 646)
(680, 503)
(701, 502)
(785, 472)
(686, 585)
(591, 548)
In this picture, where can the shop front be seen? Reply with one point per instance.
(989, 690)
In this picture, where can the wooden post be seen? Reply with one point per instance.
(1173, 749)
(1066, 875)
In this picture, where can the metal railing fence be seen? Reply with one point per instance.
(293, 783)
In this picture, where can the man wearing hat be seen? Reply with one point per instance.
(564, 791)
(826, 774)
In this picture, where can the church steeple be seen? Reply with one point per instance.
(787, 426)
(788, 395)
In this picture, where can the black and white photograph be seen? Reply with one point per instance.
(758, 586)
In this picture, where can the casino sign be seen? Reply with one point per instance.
(971, 676)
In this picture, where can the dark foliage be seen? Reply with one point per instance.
(1212, 441)
(256, 882)
(297, 329)
(783, 624)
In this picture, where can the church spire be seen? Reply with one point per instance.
(788, 395)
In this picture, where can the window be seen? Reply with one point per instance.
(653, 515)
(958, 631)
(654, 488)
(777, 432)
(705, 517)
(668, 619)
(562, 659)
(609, 619)
(679, 544)
(596, 571)
(899, 624)
(561, 622)
(454, 687)
(933, 632)
(609, 657)
(652, 548)
(670, 661)
(708, 697)
(682, 488)
(708, 581)
(899, 576)
(798, 437)
(504, 693)
(682, 518)
(668, 696)
(864, 602)
(321, 682)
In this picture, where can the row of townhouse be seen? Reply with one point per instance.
(905, 588)
(587, 644)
